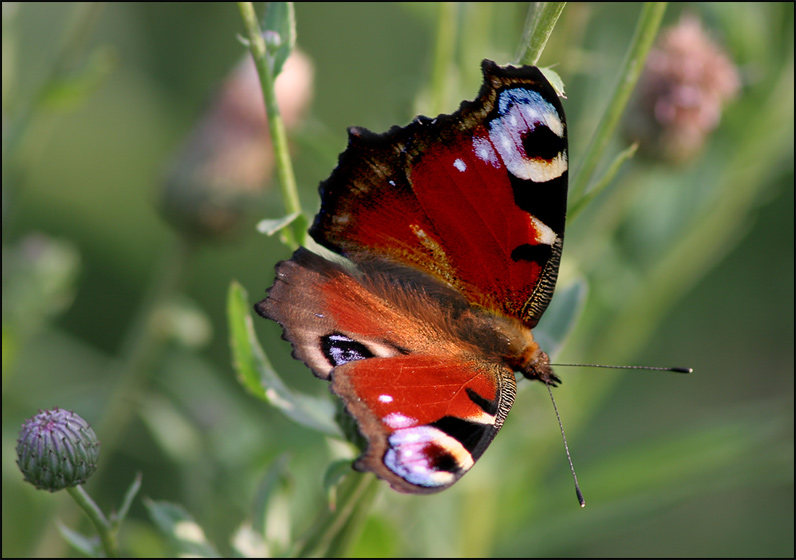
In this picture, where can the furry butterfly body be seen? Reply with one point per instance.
(453, 229)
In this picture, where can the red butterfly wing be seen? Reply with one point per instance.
(403, 360)
(477, 198)
(427, 418)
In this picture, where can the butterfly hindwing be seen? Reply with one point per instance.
(427, 405)
(427, 418)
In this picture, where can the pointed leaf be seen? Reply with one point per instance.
(270, 227)
(129, 496)
(248, 543)
(186, 536)
(604, 181)
(87, 545)
(271, 482)
(258, 376)
(555, 81)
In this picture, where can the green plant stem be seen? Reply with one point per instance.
(542, 18)
(276, 126)
(444, 46)
(365, 493)
(106, 531)
(643, 37)
(603, 183)
(334, 533)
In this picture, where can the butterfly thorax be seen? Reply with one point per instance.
(520, 351)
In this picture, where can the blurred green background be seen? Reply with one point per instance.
(670, 465)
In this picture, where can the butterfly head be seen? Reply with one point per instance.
(539, 368)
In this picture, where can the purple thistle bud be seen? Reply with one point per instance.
(57, 449)
(687, 82)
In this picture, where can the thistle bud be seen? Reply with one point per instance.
(227, 161)
(686, 83)
(57, 449)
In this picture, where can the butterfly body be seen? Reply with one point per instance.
(453, 229)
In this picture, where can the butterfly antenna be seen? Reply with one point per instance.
(561, 425)
(581, 500)
(653, 368)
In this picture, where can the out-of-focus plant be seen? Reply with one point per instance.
(686, 84)
(642, 235)
(216, 181)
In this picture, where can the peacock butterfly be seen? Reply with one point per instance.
(453, 229)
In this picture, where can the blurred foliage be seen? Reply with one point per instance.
(686, 265)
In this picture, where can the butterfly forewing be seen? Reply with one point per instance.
(477, 198)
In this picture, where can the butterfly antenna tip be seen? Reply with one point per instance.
(581, 499)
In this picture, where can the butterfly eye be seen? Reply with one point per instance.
(339, 349)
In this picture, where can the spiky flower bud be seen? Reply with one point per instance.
(57, 449)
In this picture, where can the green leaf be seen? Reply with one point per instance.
(258, 376)
(248, 543)
(336, 529)
(132, 492)
(268, 533)
(88, 546)
(270, 227)
(276, 501)
(334, 475)
(300, 224)
(561, 316)
(185, 535)
(272, 481)
(555, 81)
(279, 30)
(70, 90)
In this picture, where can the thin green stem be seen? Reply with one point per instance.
(105, 530)
(276, 126)
(542, 18)
(346, 535)
(335, 531)
(603, 183)
(646, 31)
(443, 55)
